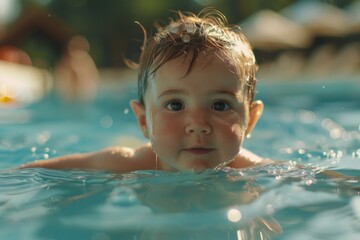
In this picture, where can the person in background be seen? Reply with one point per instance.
(13, 54)
(76, 74)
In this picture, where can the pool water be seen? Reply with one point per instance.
(310, 126)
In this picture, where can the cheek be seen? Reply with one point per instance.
(231, 134)
(234, 138)
(165, 126)
(233, 124)
(238, 130)
(165, 136)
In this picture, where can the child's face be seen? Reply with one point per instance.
(197, 121)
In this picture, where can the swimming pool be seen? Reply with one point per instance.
(310, 125)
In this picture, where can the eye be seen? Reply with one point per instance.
(220, 106)
(175, 106)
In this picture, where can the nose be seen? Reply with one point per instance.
(197, 128)
(198, 125)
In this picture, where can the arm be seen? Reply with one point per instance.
(117, 159)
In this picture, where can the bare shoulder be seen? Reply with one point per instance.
(145, 156)
(124, 159)
(247, 158)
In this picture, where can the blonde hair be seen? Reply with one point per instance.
(190, 34)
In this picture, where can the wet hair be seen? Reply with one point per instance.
(188, 36)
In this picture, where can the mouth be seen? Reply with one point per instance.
(199, 150)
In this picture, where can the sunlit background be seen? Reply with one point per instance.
(42, 27)
(291, 38)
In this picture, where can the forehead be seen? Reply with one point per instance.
(207, 67)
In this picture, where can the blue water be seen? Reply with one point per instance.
(310, 126)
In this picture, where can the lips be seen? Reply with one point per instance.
(199, 150)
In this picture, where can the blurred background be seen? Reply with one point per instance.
(77, 43)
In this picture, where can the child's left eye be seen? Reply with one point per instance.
(220, 106)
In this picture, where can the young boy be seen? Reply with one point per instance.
(196, 102)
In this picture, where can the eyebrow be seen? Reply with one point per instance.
(237, 95)
(171, 91)
(226, 92)
(179, 91)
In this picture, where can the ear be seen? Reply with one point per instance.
(140, 114)
(256, 109)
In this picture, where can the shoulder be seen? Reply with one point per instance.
(247, 158)
(126, 159)
(145, 157)
(128, 152)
